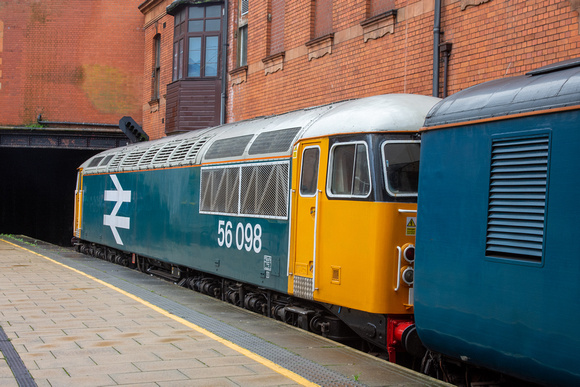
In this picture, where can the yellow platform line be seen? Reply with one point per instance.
(273, 366)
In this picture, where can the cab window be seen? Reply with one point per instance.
(309, 174)
(401, 167)
(349, 172)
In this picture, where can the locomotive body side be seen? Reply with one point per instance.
(156, 214)
(497, 269)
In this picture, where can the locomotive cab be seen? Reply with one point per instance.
(354, 222)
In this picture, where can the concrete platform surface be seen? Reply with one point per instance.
(67, 319)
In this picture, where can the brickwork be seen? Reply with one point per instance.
(157, 22)
(277, 28)
(490, 40)
(380, 6)
(323, 17)
(498, 39)
(72, 61)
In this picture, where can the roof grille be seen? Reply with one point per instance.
(182, 149)
(114, 164)
(164, 153)
(517, 198)
(188, 150)
(132, 159)
(149, 155)
(194, 150)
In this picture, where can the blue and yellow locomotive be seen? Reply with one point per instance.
(308, 217)
(498, 254)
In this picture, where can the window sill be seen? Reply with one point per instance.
(319, 47)
(239, 75)
(274, 63)
(380, 25)
(154, 105)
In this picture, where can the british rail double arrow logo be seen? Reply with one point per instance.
(119, 196)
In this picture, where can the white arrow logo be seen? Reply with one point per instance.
(119, 196)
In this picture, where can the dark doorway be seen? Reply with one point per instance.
(37, 192)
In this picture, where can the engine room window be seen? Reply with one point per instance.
(401, 166)
(350, 174)
(259, 190)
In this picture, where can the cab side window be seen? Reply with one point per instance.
(350, 174)
(309, 174)
(401, 167)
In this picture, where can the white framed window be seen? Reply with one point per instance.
(349, 175)
(401, 166)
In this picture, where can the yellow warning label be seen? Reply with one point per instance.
(411, 226)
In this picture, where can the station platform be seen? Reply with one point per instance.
(67, 319)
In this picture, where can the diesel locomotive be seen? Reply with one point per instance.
(498, 253)
(308, 217)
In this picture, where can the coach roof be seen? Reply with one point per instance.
(549, 87)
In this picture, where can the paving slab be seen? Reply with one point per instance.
(77, 320)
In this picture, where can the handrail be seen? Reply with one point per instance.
(398, 270)
(315, 238)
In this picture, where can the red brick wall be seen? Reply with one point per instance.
(277, 26)
(380, 6)
(73, 60)
(322, 17)
(154, 112)
(490, 40)
(498, 39)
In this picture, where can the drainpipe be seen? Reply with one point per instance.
(224, 64)
(436, 39)
(445, 51)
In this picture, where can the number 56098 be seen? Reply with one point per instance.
(247, 236)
